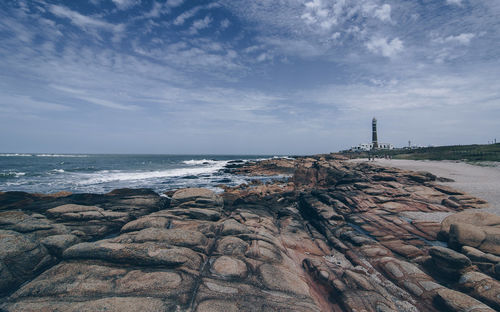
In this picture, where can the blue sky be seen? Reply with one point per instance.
(240, 76)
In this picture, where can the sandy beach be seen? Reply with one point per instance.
(480, 181)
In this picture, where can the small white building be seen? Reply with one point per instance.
(365, 147)
(388, 146)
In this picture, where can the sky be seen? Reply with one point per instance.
(246, 76)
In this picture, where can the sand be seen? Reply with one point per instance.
(482, 181)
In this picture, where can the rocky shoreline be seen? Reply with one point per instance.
(335, 236)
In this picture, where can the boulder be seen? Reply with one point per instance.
(86, 280)
(56, 244)
(478, 218)
(482, 287)
(449, 257)
(232, 246)
(71, 212)
(21, 258)
(421, 176)
(477, 255)
(281, 279)
(452, 300)
(484, 238)
(229, 267)
(146, 222)
(176, 237)
(197, 198)
(233, 227)
(145, 254)
(22, 223)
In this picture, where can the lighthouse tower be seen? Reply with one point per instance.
(374, 133)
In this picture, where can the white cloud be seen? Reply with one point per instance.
(179, 20)
(454, 2)
(109, 104)
(125, 4)
(78, 19)
(432, 91)
(87, 23)
(383, 46)
(28, 103)
(464, 39)
(83, 95)
(200, 24)
(383, 13)
(300, 47)
(174, 3)
(225, 23)
(318, 13)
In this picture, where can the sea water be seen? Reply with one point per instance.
(91, 173)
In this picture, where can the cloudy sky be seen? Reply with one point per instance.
(241, 76)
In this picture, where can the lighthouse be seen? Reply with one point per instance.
(374, 133)
(366, 147)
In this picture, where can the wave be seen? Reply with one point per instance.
(195, 162)
(282, 157)
(60, 155)
(15, 155)
(58, 170)
(113, 176)
(12, 174)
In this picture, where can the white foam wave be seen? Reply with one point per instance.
(282, 157)
(104, 177)
(12, 174)
(58, 170)
(60, 155)
(15, 155)
(195, 162)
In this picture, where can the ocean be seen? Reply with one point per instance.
(92, 173)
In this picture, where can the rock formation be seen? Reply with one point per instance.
(336, 236)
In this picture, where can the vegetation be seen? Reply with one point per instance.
(474, 152)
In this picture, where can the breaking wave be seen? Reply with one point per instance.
(197, 162)
(106, 176)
